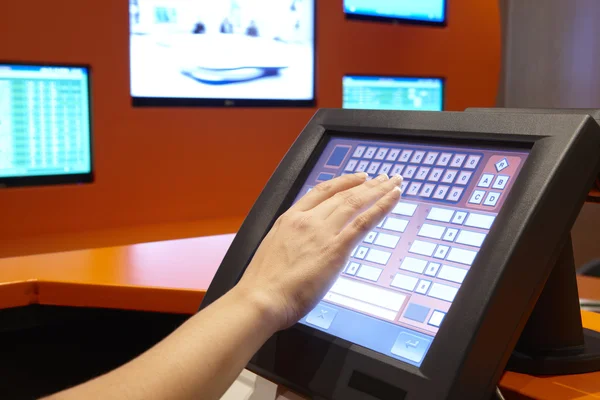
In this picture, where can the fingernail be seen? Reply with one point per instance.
(397, 179)
(383, 177)
(396, 192)
(362, 175)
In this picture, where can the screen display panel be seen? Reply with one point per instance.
(45, 127)
(393, 93)
(428, 11)
(394, 292)
(215, 51)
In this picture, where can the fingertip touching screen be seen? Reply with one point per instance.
(394, 292)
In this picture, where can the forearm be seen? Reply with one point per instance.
(201, 359)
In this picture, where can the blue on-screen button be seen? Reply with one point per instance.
(337, 156)
(321, 316)
(411, 347)
(324, 176)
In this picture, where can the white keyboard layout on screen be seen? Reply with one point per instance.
(434, 265)
(408, 269)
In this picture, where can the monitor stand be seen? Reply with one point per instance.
(554, 341)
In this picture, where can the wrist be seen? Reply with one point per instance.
(261, 306)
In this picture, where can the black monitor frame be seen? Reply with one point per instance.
(168, 102)
(400, 20)
(472, 347)
(47, 180)
(383, 76)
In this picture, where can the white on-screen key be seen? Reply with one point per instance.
(432, 231)
(370, 237)
(481, 221)
(452, 274)
(378, 256)
(361, 306)
(359, 151)
(369, 293)
(386, 240)
(477, 197)
(441, 252)
(361, 252)
(450, 234)
(432, 269)
(381, 153)
(395, 224)
(351, 165)
(385, 169)
(405, 282)
(471, 238)
(373, 167)
(406, 209)
(362, 166)
(443, 292)
(459, 218)
(461, 256)
(370, 273)
(352, 268)
(413, 265)
(393, 155)
(440, 214)
(423, 286)
(423, 248)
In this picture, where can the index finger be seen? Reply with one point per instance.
(327, 189)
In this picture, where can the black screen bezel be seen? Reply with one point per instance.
(57, 179)
(475, 348)
(140, 101)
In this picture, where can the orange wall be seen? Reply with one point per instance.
(170, 165)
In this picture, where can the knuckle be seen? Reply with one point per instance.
(323, 187)
(361, 223)
(353, 202)
(284, 219)
(302, 221)
(380, 208)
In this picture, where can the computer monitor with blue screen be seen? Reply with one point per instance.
(432, 301)
(45, 125)
(414, 11)
(393, 93)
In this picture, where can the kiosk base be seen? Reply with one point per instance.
(554, 341)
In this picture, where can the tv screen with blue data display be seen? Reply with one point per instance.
(222, 52)
(45, 126)
(393, 93)
(420, 11)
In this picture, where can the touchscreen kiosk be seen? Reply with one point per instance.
(431, 303)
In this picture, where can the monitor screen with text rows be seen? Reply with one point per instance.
(427, 11)
(400, 281)
(44, 121)
(393, 93)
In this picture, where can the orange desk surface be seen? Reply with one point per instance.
(172, 276)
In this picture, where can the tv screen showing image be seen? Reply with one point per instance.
(431, 12)
(393, 93)
(222, 52)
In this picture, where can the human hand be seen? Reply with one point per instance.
(300, 258)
